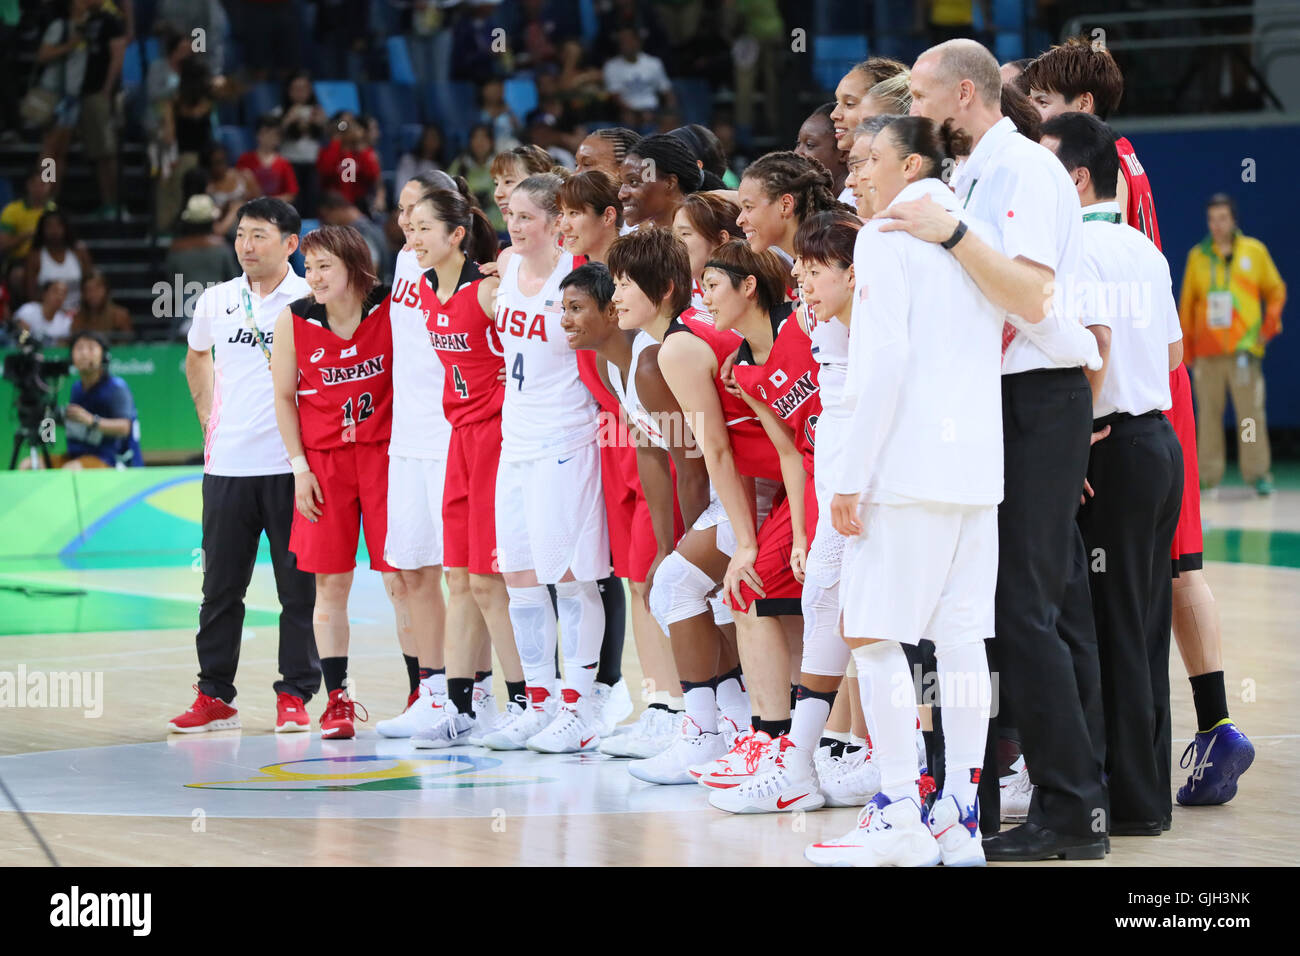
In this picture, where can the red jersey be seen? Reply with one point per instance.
(1141, 211)
(467, 344)
(754, 453)
(786, 383)
(345, 386)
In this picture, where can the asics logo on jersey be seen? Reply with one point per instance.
(317, 356)
(520, 325)
(456, 342)
(351, 373)
(244, 336)
(802, 389)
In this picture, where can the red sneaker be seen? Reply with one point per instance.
(290, 714)
(337, 721)
(206, 713)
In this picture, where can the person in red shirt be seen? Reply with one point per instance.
(271, 170)
(347, 164)
(1076, 76)
(332, 371)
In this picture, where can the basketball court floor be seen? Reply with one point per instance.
(106, 786)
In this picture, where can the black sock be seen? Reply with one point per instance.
(658, 706)
(516, 693)
(611, 646)
(851, 749)
(335, 670)
(829, 696)
(427, 672)
(794, 695)
(774, 728)
(412, 671)
(460, 691)
(1210, 699)
(837, 746)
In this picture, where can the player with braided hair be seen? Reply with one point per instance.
(658, 173)
(605, 149)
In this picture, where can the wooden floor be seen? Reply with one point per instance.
(113, 790)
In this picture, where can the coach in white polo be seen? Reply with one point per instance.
(247, 479)
(1046, 648)
(1135, 473)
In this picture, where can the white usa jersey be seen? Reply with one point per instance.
(547, 409)
(420, 429)
(627, 395)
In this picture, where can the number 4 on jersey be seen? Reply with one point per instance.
(461, 388)
(517, 371)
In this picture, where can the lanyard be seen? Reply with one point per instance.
(965, 202)
(251, 322)
(1101, 217)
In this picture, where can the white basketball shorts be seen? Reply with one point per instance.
(414, 512)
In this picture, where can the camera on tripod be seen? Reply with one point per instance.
(36, 388)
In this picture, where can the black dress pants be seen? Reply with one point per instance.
(1045, 654)
(1136, 473)
(235, 513)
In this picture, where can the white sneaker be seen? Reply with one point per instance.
(420, 717)
(887, 834)
(1017, 791)
(571, 731)
(452, 730)
(496, 722)
(527, 723)
(485, 707)
(957, 832)
(673, 765)
(750, 754)
(851, 780)
(790, 783)
(613, 706)
(652, 734)
(729, 729)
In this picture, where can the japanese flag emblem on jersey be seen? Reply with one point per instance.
(778, 378)
(349, 352)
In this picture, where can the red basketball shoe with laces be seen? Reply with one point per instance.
(206, 713)
(290, 714)
(336, 723)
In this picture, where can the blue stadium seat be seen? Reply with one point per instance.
(400, 69)
(590, 22)
(260, 98)
(835, 54)
(236, 139)
(521, 94)
(694, 100)
(309, 224)
(1008, 46)
(1009, 15)
(394, 106)
(335, 95)
(408, 136)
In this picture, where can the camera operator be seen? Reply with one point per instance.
(100, 417)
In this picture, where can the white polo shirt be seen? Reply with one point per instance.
(923, 394)
(639, 82)
(1124, 284)
(420, 428)
(1022, 190)
(242, 435)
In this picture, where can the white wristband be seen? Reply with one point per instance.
(299, 464)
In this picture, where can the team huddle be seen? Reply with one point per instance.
(833, 428)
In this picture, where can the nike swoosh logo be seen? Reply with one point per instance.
(231, 309)
(584, 743)
(782, 804)
(563, 460)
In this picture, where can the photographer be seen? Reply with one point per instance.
(100, 418)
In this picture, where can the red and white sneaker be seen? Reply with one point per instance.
(290, 714)
(206, 713)
(336, 723)
(750, 755)
(788, 784)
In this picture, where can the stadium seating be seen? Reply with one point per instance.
(834, 54)
(521, 94)
(336, 95)
(400, 69)
(261, 98)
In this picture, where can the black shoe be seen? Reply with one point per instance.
(1137, 828)
(1029, 842)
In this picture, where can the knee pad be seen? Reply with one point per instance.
(582, 619)
(824, 650)
(533, 619)
(680, 591)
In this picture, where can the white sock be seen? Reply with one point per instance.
(840, 735)
(582, 629)
(808, 722)
(856, 741)
(676, 704)
(733, 701)
(883, 667)
(965, 693)
(701, 705)
(533, 620)
(435, 684)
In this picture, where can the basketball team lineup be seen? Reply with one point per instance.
(900, 518)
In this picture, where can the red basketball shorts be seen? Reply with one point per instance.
(353, 481)
(1187, 545)
(784, 593)
(469, 529)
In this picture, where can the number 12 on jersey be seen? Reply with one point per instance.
(365, 408)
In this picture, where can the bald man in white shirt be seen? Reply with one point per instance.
(1125, 296)
(1046, 651)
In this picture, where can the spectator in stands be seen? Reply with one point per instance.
(228, 186)
(342, 37)
(422, 40)
(637, 81)
(543, 131)
(758, 51)
(99, 313)
(86, 49)
(197, 254)
(302, 125)
(629, 14)
(1230, 308)
(816, 140)
(47, 318)
(269, 33)
(275, 177)
(951, 19)
(541, 37)
(56, 253)
(474, 57)
(161, 87)
(579, 85)
(192, 120)
(18, 223)
(494, 111)
(425, 157)
(347, 164)
(475, 165)
(186, 16)
(101, 417)
(337, 210)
